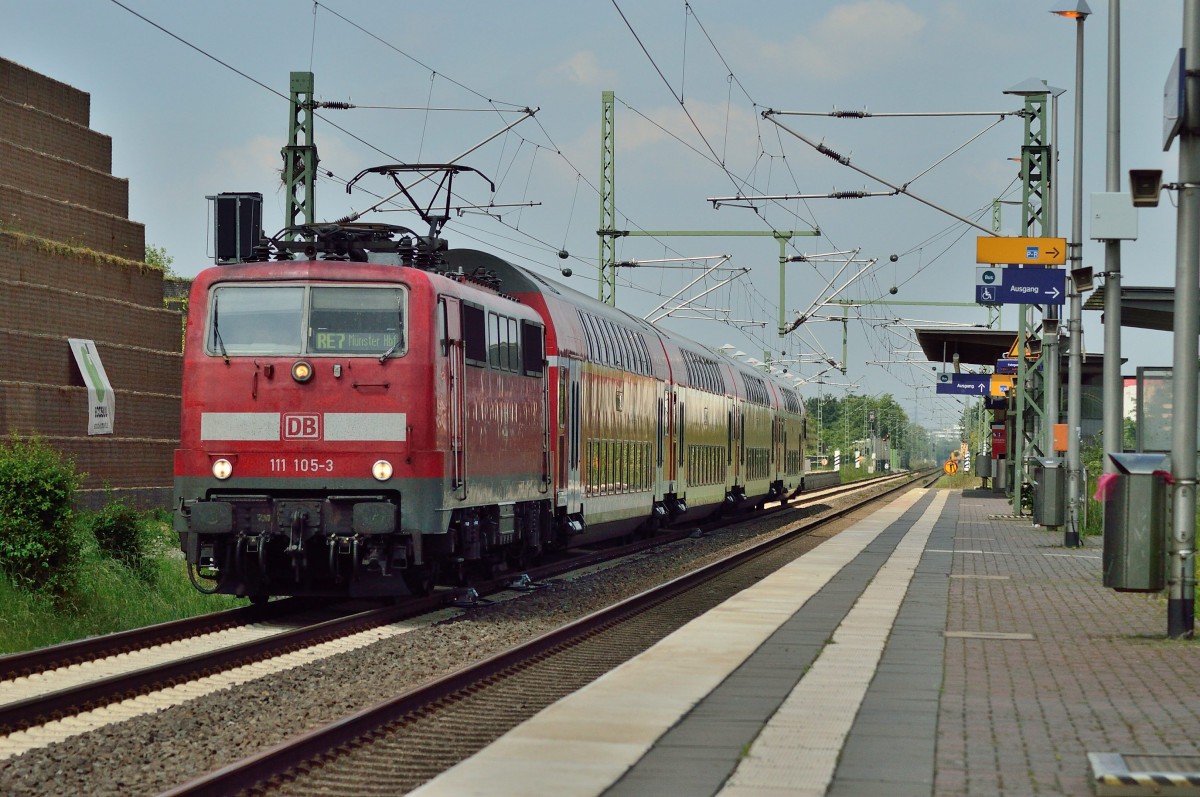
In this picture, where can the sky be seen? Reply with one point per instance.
(194, 96)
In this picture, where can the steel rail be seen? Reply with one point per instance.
(17, 665)
(22, 714)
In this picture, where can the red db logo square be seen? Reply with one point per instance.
(301, 427)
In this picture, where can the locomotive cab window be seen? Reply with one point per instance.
(252, 319)
(293, 320)
(357, 321)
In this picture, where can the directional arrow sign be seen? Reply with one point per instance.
(1021, 286)
(1021, 251)
(965, 384)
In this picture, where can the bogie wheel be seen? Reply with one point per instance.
(421, 579)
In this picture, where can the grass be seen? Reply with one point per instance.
(959, 481)
(107, 597)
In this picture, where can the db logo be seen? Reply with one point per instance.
(301, 427)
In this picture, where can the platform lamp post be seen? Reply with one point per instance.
(1079, 11)
(1181, 582)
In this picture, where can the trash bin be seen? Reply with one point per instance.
(983, 465)
(1000, 475)
(1135, 523)
(1049, 492)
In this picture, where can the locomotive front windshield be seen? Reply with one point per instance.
(293, 320)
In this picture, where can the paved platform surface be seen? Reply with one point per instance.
(935, 648)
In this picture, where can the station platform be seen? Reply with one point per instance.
(935, 647)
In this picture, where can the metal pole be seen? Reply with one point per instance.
(1114, 409)
(1181, 584)
(1075, 328)
(1051, 359)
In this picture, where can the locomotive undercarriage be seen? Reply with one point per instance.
(352, 545)
(258, 545)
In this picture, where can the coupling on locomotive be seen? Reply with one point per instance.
(371, 411)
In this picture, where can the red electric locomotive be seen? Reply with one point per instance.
(381, 411)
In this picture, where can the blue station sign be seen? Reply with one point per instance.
(965, 384)
(998, 285)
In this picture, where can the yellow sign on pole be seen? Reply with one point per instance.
(998, 250)
(950, 468)
(1002, 384)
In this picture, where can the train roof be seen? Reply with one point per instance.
(564, 303)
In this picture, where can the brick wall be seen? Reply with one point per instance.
(56, 220)
(41, 262)
(35, 357)
(81, 315)
(23, 85)
(58, 178)
(29, 127)
(62, 411)
(70, 267)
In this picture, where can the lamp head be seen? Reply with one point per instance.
(1072, 9)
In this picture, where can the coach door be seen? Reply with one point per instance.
(661, 443)
(570, 494)
(450, 316)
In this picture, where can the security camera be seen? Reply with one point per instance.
(894, 258)
(1145, 186)
(566, 272)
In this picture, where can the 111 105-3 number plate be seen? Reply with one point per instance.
(301, 465)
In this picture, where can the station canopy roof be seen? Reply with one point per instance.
(973, 345)
(1141, 307)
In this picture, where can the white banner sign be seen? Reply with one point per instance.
(102, 405)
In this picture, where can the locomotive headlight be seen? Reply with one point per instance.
(382, 470)
(222, 469)
(302, 371)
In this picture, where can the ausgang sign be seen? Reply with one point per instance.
(999, 285)
(1021, 251)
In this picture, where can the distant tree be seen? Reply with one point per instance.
(157, 256)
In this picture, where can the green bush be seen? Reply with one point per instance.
(120, 532)
(38, 543)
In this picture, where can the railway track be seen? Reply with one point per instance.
(141, 672)
(401, 742)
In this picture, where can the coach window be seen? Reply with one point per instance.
(474, 334)
(514, 345)
(250, 319)
(643, 355)
(496, 325)
(590, 334)
(618, 343)
(626, 349)
(606, 341)
(532, 350)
